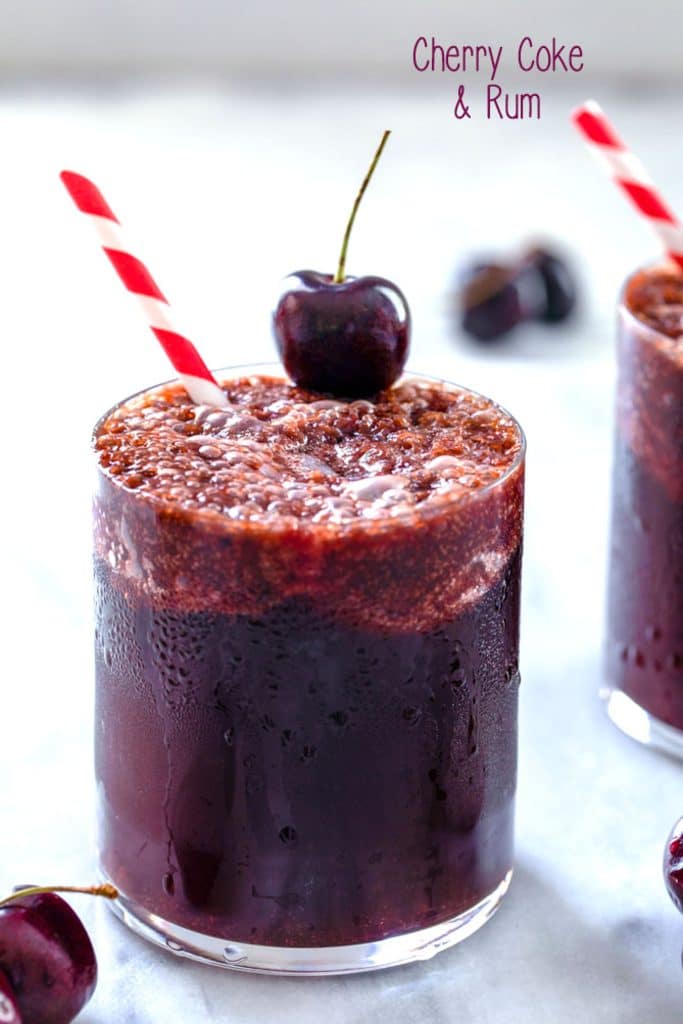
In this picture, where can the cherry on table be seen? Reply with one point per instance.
(46, 956)
(345, 336)
(9, 1010)
(496, 297)
(491, 301)
(673, 865)
(560, 288)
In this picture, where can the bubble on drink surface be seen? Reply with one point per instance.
(210, 451)
(279, 452)
(444, 462)
(373, 487)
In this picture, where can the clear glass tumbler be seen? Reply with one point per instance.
(306, 737)
(644, 655)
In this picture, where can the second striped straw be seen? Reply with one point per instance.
(629, 174)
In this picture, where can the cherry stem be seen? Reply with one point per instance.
(106, 890)
(341, 269)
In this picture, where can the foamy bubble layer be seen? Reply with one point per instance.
(279, 452)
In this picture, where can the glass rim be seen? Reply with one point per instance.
(206, 516)
(629, 318)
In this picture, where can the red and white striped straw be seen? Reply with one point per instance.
(136, 278)
(629, 174)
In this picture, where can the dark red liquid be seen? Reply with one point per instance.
(645, 653)
(306, 737)
(645, 608)
(286, 780)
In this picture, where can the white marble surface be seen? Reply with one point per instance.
(229, 192)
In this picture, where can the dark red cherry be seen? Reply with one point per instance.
(673, 865)
(345, 336)
(558, 281)
(9, 1011)
(349, 339)
(496, 297)
(490, 303)
(46, 956)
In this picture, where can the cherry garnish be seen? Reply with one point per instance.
(348, 339)
(345, 336)
(46, 957)
(673, 865)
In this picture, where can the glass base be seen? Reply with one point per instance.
(640, 725)
(285, 960)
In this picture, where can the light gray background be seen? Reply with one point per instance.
(257, 38)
